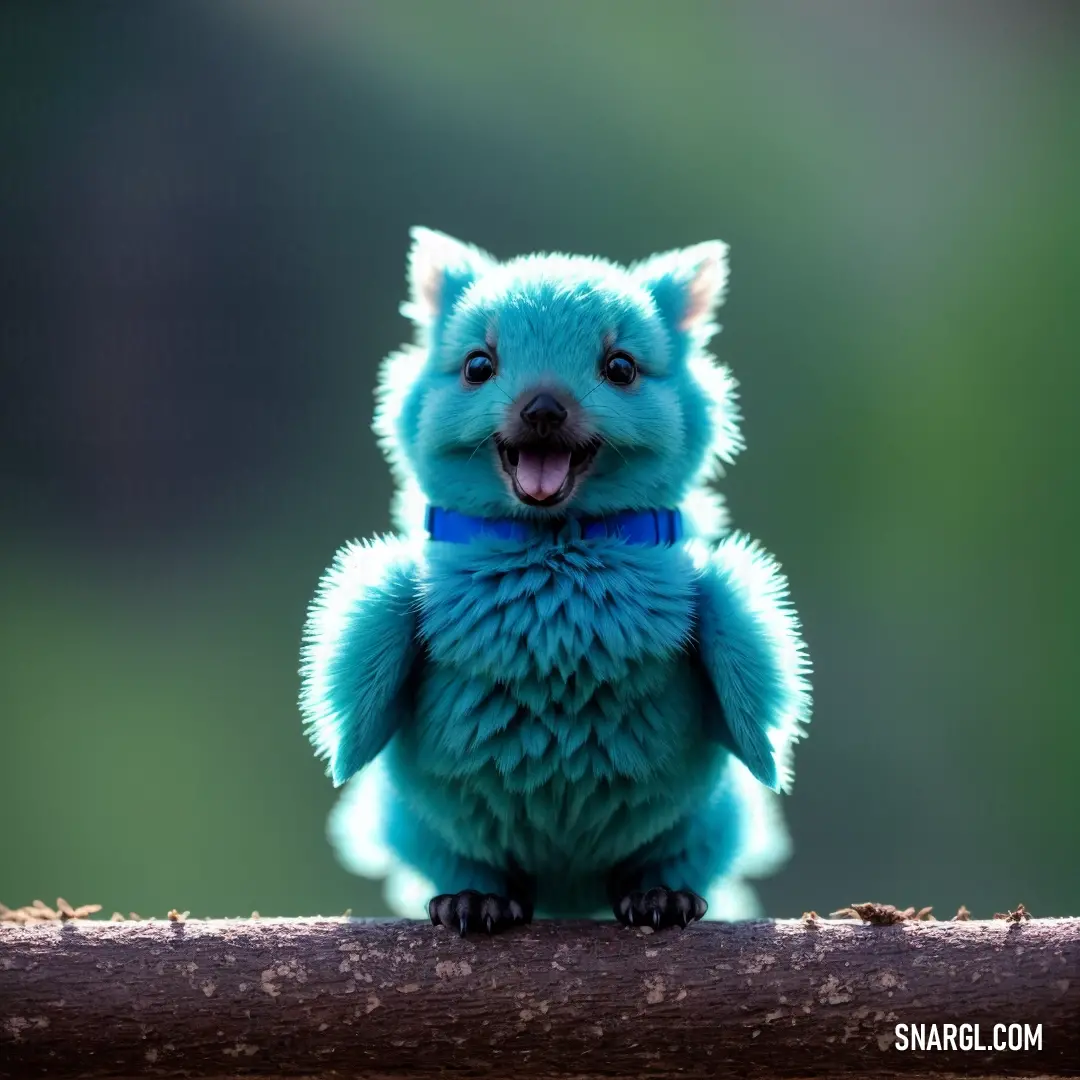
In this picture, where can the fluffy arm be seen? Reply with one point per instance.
(359, 651)
(753, 657)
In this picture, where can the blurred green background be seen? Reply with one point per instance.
(203, 226)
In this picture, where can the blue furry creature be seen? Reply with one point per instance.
(561, 686)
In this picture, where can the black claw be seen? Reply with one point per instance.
(662, 907)
(470, 911)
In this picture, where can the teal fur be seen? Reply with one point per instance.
(560, 705)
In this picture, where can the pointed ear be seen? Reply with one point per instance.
(440, 270)
(687, 285)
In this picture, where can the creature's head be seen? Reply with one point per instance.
(556, 384)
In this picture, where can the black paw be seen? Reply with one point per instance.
(660, 907)
(472, 910)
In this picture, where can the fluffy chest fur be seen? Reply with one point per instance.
(557, 693)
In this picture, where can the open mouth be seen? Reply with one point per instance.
(544, 471)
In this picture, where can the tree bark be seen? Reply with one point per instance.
(336, 997)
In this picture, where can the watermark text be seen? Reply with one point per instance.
(996, 1037)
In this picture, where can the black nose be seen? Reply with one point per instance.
(544, 414)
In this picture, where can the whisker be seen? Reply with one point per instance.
(494, 382)
(477, 447)
(647, 417)
(599, 383)
(608, 442)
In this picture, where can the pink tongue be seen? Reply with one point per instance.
(541, 475)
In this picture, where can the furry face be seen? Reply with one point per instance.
(557, 384)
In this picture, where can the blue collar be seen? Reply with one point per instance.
(632, 526)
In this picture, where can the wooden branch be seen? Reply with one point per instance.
(335, 997)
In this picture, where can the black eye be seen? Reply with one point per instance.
(479, 367)
(620, 369)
